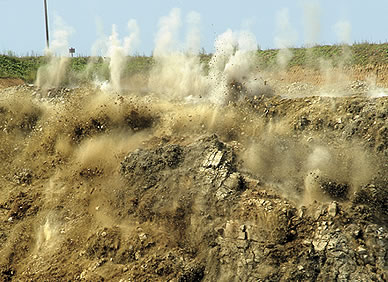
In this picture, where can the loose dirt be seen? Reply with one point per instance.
(98, 185)
(8, 82)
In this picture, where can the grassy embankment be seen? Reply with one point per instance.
(363, 54)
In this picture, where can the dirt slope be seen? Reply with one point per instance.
(125, 187)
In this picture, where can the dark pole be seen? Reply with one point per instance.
(46, 19)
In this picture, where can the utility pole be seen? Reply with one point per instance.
(47, 30)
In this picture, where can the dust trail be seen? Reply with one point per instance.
(99, 47)
(166, 40)
(336, 79)
(312, 22)
(284, 39)
(177, 74)
(47, 235)
(118, 50)
(343, 31)
(193, 38)
(54, 73)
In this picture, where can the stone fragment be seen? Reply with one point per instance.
(332, 209)
(319, 245)
(361, 250)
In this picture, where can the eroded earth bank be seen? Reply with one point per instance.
(281, 184)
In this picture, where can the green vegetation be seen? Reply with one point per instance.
(24, 67)
(358, 54)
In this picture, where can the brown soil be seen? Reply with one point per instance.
(8, 82)
(98, 186)
(377, 74)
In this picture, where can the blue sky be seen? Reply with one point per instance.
(22, 21)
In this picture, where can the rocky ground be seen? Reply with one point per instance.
(103, 186)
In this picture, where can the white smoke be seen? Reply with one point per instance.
(378, 92)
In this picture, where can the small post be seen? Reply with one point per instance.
(46, 20)
(72, 51)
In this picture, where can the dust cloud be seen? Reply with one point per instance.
(188, 97)
(179, 79)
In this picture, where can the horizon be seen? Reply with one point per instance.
(11, 53)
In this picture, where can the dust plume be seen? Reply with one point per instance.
(53, 74)
(177, 74)
(336, 79)
(299, 169)
(118, 52)
(286, 37)
(47, 236)
(233, 66)
(375, 91)
(343, 30)
(193, 37)
(312, 22)
(166, 40)
(180, 74)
